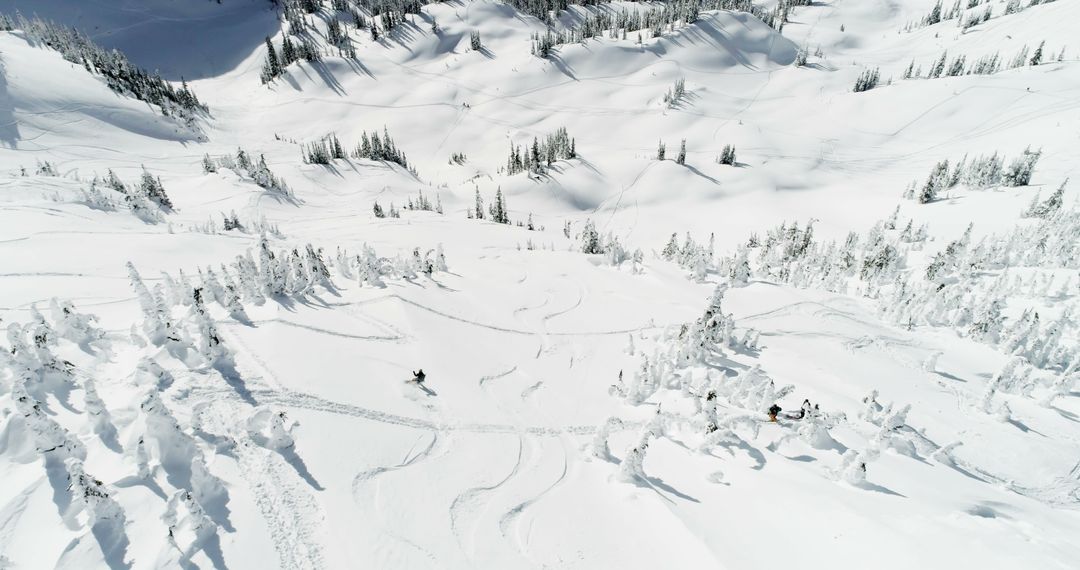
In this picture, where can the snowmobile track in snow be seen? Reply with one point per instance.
(291, 513)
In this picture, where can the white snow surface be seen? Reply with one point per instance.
(304, 447)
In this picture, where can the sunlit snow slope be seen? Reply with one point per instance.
(241, 400)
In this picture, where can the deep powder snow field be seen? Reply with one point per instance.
(613, 236)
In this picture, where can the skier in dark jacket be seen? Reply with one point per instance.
(419, 376)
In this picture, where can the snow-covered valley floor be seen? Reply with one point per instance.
(209, 331)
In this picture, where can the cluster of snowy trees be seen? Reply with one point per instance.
(421, 203)
(670, 16)
(548, 10)
(872, 259)
(119, 73)
(867, 80)
(338, 18)
(42, 168)
(726, 406)
(591, 242)
(371, 147)
(1046, 208)
(303, 48)
(680, 349)
(698, 259)
(255, 170)
(985, 65)
(458, 158)
(377, 16)
(966, 13)
(30, 365)
(232, 222)
(980, 173)
(262, 274)
(368, 268)
(323, 150)
(938, 13)
(496, 211)
(146, 199)
(961, 11)
(176, 318)
(31, 370)
(379, 212)
(727, 155)
(541, 154)
(967, 285)
(674, 96)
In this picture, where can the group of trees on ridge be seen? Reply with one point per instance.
(113, 66)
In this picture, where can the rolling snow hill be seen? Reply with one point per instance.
(218, 273)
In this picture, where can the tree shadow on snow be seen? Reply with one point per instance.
(753, 452)
(110, 438)
(292, 458)
(358, 67)
(211, 546)
(701, 174)
(950, 376)
(1066, 414)
(232, 377)
(133, 481)
(662, 489)
(58, 478)
(1024, 427)
(9, 127)
(684, 102)
(325, 75)
(114, 543)
(966, 473)
(879, 489)
(561, 65)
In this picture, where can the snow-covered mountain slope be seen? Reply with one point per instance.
(209, 327)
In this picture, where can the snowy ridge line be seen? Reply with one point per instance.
(301, 400)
